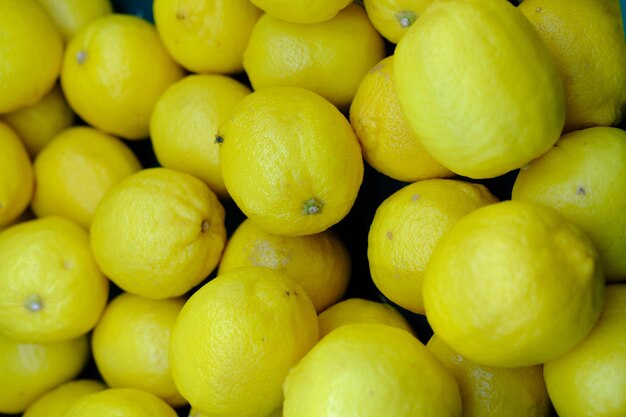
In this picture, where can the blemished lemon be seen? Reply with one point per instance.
(56, 402)
(359, 310)
(481, 108)
(30, 370)
(329, 58)
(290, 161)
(302, 11)
(319, 262)
(591, 378)
(158, 233)
(76, 169)
(513, 284)
(495, 392)
(586, 41)
(114, 71)
(120, 402)
(568, 178)
(130, 345)
(237, 337)
(50, 286)
(206, 35)
(392, 18)
(407, 226)
(370, 370)
(72, 15)
(184, 125)
(30, 54)
(387, 141)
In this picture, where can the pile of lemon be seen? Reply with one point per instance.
(273, 106)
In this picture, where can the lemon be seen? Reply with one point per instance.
(586, 41)
(370, 370)
(114, 71)
(237, 337)
(206, 35)
(158, 233)
(387, 141)
(290, 161)
(567, 178)
(36, 125)
(392, 18)
(302, 11)
(71, 15)
(16, 176)
(195, 413)
(513, 284)
(495, 392)
(478, 87)
(130, 345)
(184, 124)
(590, 380)
(319, 262)
(406, 228)
(329, 58)
(31, 50)
(120, 402)
(30, 370)
(56, 402)
(76, 169)
(50, 286)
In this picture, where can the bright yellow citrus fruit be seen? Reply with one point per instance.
(56, 402)
(76, 169)
(158, 233)
(290, 161)
(392, 18)
(120, 402)
(329, 58)
(72, 15)
(302, 11)
(319, 262)
(50, 286)
(237, 337)
(184, 125)
(195, 413)
(114, 71)
(407, 226)
(481, 108)
(513, 284)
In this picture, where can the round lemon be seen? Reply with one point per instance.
(329, 58)
(407, 226)
(71, 15)
(158, 233)
(76, 169)
(319, 262)
(120, 402)
(392, 18)
(56, 402)
(513, 284)
(184, 125)
(478, 87)
(290, 161)
(114, 71)
(237, 337)
(130, 345)
(50, 286)
(195, 413)
(302, 11)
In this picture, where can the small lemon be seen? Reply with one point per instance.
(71, 15)
(158, 233)
(237, 337)
(392, 18)
(120, 402)
(302, 11)
(56, 402)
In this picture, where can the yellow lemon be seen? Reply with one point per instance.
(478, 87)
(31, 50)
(71, 15)
(36, 125)
(370, 370)
(114, 71)
(120, 402)
(590, 380)
(76, 169)
(319, 262)
(388, 143)
(586, 40)
(302, 11)
(568, 178)
(290, 161)
(407, 226)
(237, 337)
(392, 18)
(329, 58)
(56, 402)
(206, 35)
(158, 233)
(495, 392)
(16, 176)
(195, 413)
(50, 286)
(130, 345)
(30, 370)
(184, 125)
(513, 284)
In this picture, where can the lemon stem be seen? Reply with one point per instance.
(34, 303)
(406, 18)
(312, 206)
(81, 57)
